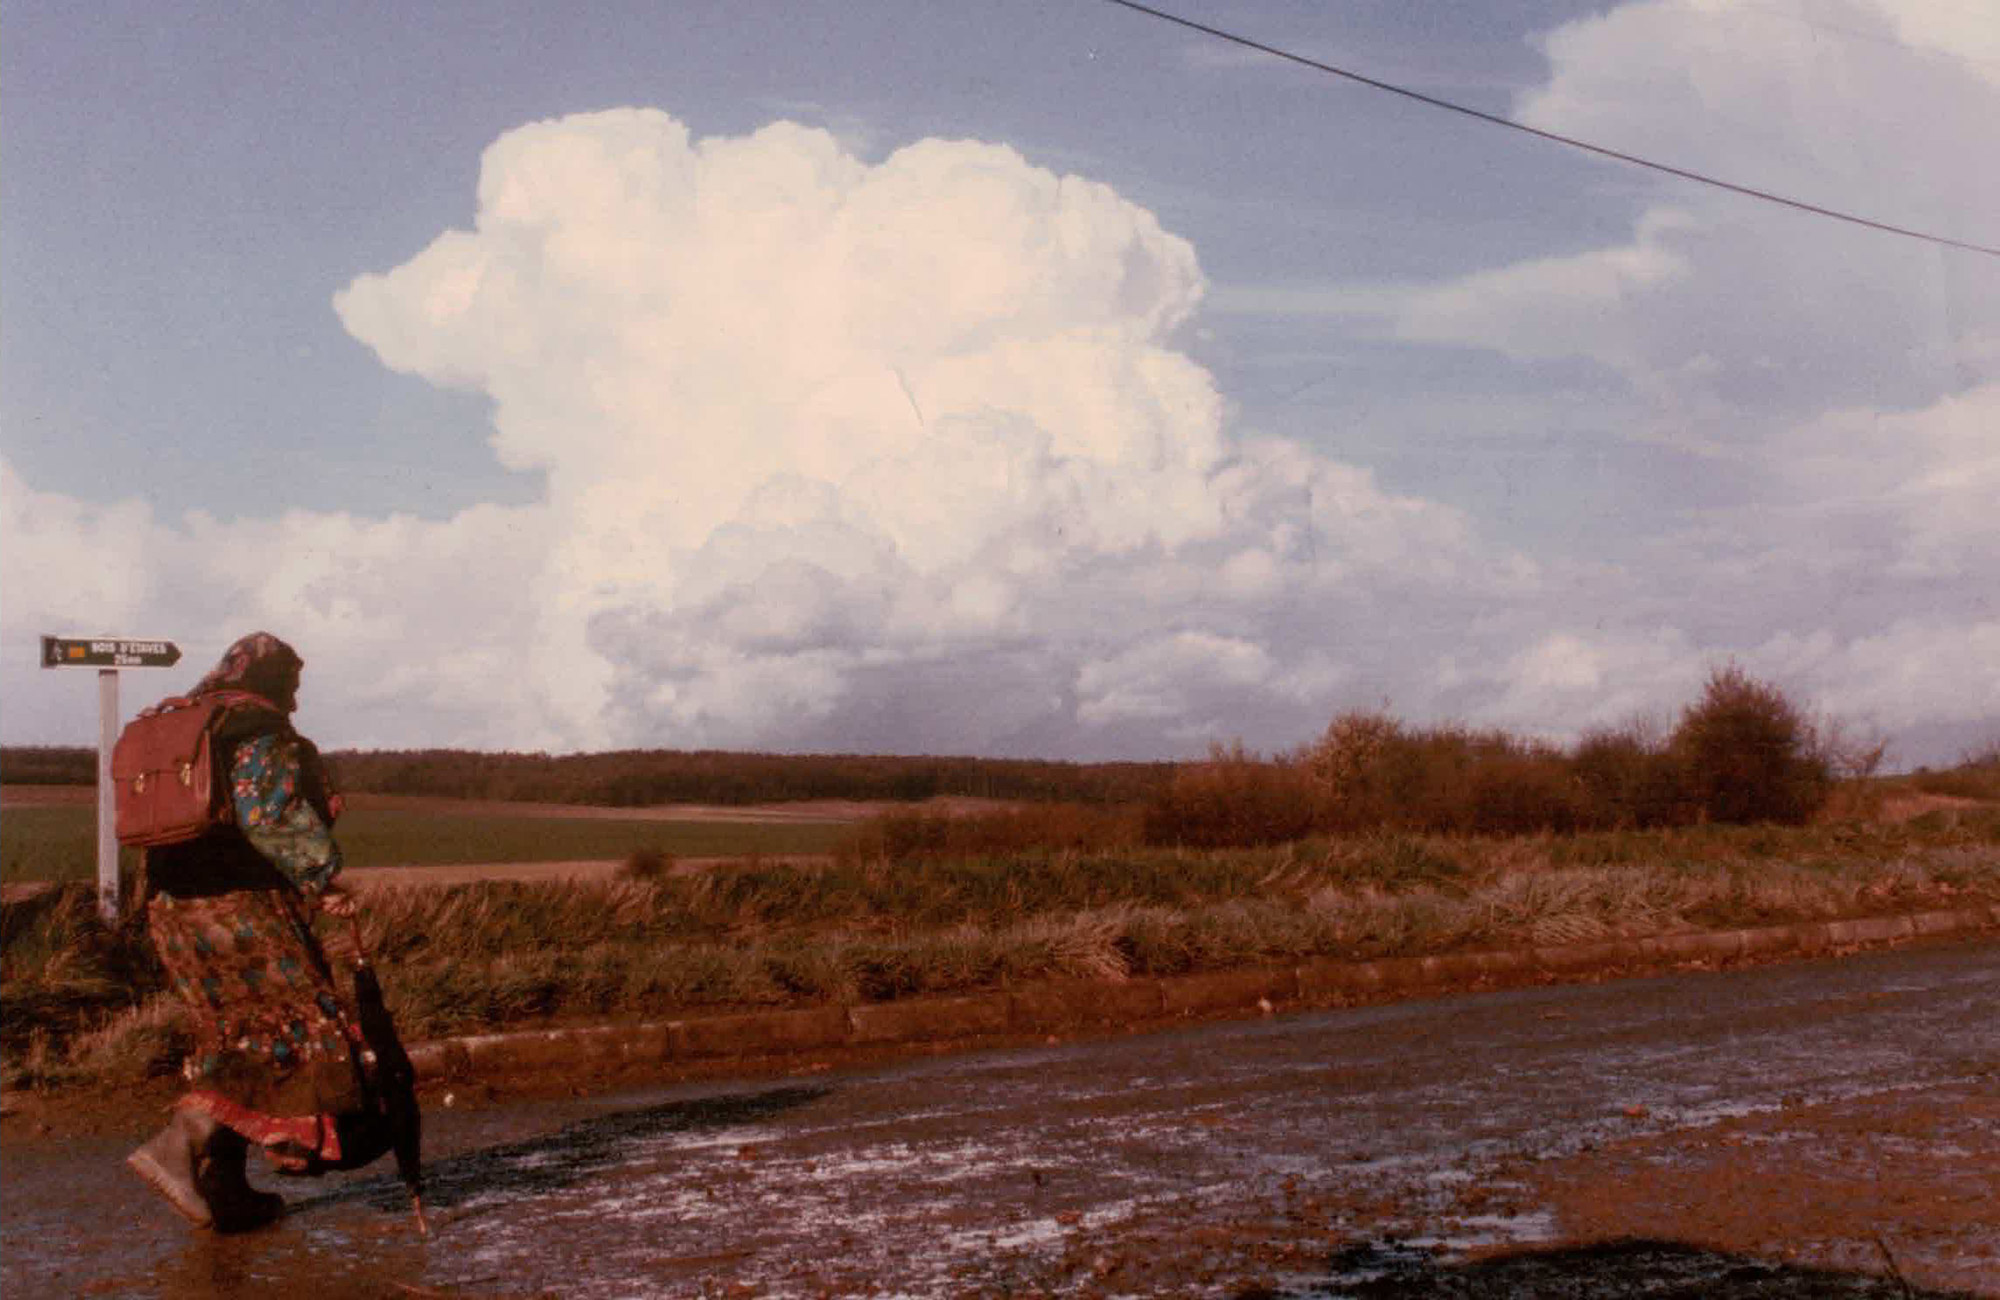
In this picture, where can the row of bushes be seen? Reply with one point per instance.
(1742, 753)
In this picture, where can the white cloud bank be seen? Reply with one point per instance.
(1723, 310)
(837, 454)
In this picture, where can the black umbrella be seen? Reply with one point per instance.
(394, 1077)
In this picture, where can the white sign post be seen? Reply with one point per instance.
(107, 831)
(107, 654)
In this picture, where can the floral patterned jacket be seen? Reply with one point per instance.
(271, 779)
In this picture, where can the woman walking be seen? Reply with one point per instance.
(280, 1061)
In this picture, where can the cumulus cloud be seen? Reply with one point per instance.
(1921, 484)
(1805, 103)
(64, 559)
(1915, 673)
(1580, 304)
(824, 441)
(1860, 581)
(402, 621)
(1569, 682)
(1720, 306)
(809, 423)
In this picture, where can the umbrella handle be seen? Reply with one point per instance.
(360, 952)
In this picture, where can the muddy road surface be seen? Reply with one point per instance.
(1823, 1128)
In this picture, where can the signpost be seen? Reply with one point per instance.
(107, 654)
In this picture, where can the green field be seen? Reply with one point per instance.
(60, 843)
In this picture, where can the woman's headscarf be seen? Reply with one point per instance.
(261, 664)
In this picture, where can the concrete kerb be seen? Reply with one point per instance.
(1080, 1005)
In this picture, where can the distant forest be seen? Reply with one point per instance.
(638, 777)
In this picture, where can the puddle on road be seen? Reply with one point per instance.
(640, 1202)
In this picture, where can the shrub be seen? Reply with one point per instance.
(1235, 799)
(1360, 770)
(1853, 755)
(1524, 794)
(1370, 772)
(1630, 780)
(647, 864)
(1060, 827)
(1746, 753)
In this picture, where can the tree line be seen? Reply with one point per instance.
(640, 777)
(1743, 752)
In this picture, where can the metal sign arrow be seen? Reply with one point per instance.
(108, 652)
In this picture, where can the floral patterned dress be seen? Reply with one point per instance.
(278, 1052)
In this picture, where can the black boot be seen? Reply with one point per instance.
(171, 1161)
(224, 1185)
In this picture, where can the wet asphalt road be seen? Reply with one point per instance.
(1233, 1152)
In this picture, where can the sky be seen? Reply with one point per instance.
(1016, 377)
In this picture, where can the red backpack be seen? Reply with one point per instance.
(168, 782)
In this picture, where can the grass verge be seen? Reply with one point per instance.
(78, 1002)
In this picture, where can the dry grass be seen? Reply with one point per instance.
(1077, 828)
(1977, 776)
(83, 1003)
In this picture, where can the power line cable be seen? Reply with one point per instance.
(1574, 143)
